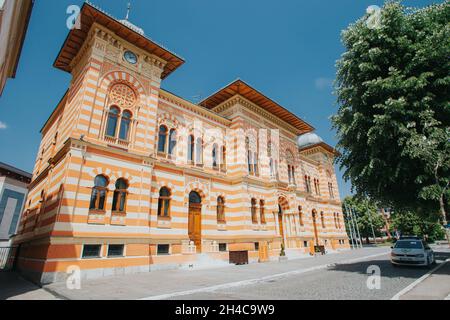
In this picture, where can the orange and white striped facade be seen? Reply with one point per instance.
(59, 220)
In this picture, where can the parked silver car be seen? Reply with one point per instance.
(412, 252)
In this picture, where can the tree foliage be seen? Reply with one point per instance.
(394, 111)
(366, 214)
(408, 223)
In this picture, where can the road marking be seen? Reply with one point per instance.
(415, 283)
(258, 280)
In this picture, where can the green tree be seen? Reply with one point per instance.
(367, 216)
(408, 223)
(394, 111)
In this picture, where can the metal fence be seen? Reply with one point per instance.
(7, 258)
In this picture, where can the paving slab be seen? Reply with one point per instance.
(435, 287)
(14, 287)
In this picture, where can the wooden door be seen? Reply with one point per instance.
(280, 225)
(263, 251)
(195, 225)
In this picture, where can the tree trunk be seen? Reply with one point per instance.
(444, 217)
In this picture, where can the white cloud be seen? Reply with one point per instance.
(3, 125)
(323, 83)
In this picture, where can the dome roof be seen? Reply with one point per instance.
(308, 139)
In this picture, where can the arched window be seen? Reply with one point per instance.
(162, 139)
(249, 155)
(330, 190)
(322, 219)
(164, 203)
(98, 195)
(300, 216)
(125, 123)
(224, 158)
(309, 184)
(317, 186)
(289, 173)
(190, 153)
(292, 174)
(272, 172)
(172, 141)
(195, 198)
(253, 209)
(255, 163)
(262, 214)
(215, 163)
(220, 210)
(113, 118)
(338, 218)
(308, 188)
(120, 196)
(199, 151)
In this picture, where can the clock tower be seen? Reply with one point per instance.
(101, 134)
(116, 72)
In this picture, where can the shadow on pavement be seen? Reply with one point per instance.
(387, 269)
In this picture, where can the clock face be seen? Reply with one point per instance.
(130, 57)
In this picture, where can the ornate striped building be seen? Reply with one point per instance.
(130, 177)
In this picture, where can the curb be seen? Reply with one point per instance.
(418, 281)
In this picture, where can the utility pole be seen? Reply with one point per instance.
(349, 227)
(357, 228)
(352, 226)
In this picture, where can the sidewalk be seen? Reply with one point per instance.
(160, 283)
(434, 287)
(13, 287)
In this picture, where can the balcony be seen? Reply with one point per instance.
(116, 141)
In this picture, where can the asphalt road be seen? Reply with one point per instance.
(342, 281)
(333, 276)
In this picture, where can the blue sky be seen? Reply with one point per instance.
(286, 49)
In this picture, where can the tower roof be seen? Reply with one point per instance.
(124, 29)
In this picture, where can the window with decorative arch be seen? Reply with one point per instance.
(99, 194)
(220, 210)
(190, 148)
(167, 141)
(214, 156)
(164, 203)
(300, 216)
(253, 211)
(262, 213)
(119, 204)
(199, 152)
(223, 164)
(331, 190)
(119, 120)
(290, 160)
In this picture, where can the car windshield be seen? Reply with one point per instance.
(408, 244)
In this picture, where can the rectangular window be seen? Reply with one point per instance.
(115, 250)
(305, 244)
(91, 251)
(163, 249)
(222, 247)
(256, 246)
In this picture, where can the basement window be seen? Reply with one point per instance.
(222, 247)
(115, 250)
(91, 251)
(163, 249)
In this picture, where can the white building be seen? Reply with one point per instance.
(13, 192)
